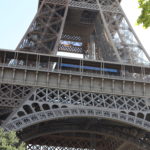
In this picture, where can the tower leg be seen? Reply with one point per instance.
(45, 31)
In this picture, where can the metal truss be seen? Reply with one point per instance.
(80, 143)
(125, 43)
(112, 144)
(109, 146)
(12, 95)
(48, 104)
(46, 28)
(62, 119)
(76, 143)
(84, 133)
(127, 48)
(112, 33)
(92, 5)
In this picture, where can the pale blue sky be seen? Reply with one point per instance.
(16, 16)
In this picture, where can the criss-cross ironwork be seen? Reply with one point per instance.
(98, 101)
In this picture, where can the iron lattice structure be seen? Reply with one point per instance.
(101, 101)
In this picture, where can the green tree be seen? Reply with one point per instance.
(9, 141)
(144, 18)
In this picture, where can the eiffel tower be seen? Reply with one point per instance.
(100, 101)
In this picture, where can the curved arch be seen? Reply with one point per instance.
(27, 109)
(46, 106)
(57, 127)
(140, 115)
(36, 107)
(21, 113)
(53, 114)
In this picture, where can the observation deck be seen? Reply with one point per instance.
(26, 68)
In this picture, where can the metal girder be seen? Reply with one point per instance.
(125, 42)
(48, 104)
(46, 28)
(112, 136)
(114, 38)
(83, 102)
(12, 95)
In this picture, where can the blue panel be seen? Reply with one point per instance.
(89, 68)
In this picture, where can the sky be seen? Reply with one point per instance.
(16, 16)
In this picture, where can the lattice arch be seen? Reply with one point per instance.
(34, 118)
(48, 134)
(47, 104)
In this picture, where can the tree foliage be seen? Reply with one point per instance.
(9, 141)
(144, 18)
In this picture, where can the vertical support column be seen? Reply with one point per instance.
(62, 27)
(92, 52)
